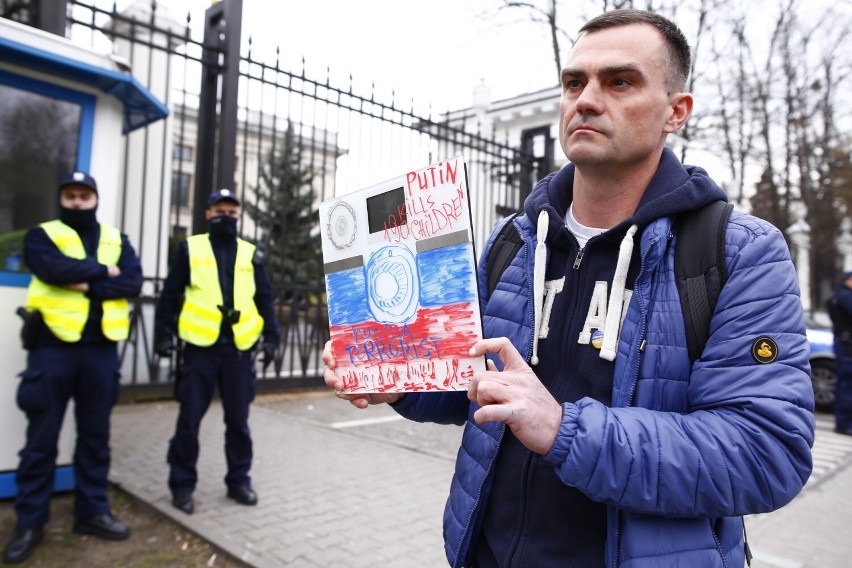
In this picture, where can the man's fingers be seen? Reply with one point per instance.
(328, 355)
(332, 380)
(503, 348)
(487, 391)
(493, 413)
(359, 402)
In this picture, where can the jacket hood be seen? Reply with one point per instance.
(675, 188)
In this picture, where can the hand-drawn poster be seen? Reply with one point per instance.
(400, 272)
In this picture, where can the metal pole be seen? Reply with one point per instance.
(230, 90)
(205, 145)
(217, 153)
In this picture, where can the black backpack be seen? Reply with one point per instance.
(700, 268)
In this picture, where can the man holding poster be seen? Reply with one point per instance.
(620, 450)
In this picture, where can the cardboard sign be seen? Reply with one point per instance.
(400, 272)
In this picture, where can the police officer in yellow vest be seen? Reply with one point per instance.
(83, 274)
(218, 298)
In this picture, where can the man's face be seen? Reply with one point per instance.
(615, 109)
(78, 197)
(223, 208)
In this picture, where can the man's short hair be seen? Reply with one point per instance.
(679, 60)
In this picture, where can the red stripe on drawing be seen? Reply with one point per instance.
(434, 333)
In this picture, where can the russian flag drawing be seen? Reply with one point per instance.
(405, 322)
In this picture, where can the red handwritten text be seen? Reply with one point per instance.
(439, 174)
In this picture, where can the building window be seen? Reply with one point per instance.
(180, 189)
(182, 152)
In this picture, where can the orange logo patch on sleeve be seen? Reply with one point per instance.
(764, 349)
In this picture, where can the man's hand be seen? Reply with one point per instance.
(268, 355)
(163, 346)
(78, 286)
(113, 270)
(514, 396)
(359, 400)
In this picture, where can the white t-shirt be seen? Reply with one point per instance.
(581, 232)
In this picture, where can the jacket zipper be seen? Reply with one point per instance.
(529, 355)
(719, 547)
(459, 560)
(530, 295)
(629, 402)
(579, 258)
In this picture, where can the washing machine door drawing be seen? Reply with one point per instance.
(393, 290)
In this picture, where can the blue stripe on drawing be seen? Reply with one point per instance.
(446, 275)
(347, 297)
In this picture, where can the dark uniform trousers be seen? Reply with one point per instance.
(55, 374)
(843, 392)
(202, 370)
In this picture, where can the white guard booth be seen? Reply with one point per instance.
(88, 102)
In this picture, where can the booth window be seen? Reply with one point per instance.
(45, 132)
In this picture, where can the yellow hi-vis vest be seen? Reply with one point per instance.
(200, 319)
(65, 311)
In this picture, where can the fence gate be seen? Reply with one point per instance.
(284, 142)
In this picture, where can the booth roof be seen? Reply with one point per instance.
(140, 106)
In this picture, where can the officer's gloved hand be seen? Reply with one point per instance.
(268, 354)
(163, 346)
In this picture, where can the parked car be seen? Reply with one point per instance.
(823, 371)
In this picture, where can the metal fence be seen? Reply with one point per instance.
(230, 109)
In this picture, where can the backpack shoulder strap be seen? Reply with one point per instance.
(700, 269)
(506, 245)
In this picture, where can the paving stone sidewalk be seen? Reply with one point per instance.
(327, 496)
(347, 488)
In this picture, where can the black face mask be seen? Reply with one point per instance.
(223, 226)
(79, 219)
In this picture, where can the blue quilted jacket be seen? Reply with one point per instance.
(685, 450)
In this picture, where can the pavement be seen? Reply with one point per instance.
(343, 487)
